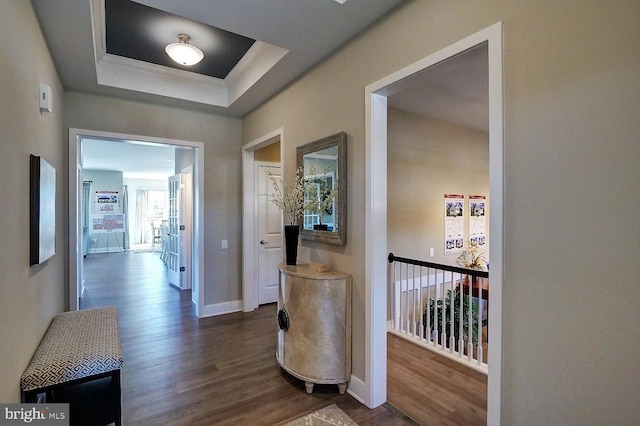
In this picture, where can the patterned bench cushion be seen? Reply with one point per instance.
(77, 344)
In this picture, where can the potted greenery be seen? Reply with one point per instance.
(447, 312)
(447, 309)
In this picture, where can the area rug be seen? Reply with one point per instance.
(331, 415)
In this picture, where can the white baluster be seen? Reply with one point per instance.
(413, 300)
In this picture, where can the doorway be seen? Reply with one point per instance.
(376, 95)
(250, 227)
(76, 137)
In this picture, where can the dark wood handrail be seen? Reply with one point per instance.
(473, 272)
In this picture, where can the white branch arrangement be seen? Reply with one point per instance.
(289, 199)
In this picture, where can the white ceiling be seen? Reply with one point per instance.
(303, 31)
(137, 160)
(455, 90)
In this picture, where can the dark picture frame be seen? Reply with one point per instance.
(42, 219)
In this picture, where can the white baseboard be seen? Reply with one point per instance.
(357, 389)
(221, 308)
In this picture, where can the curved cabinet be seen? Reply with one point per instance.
(314, 325)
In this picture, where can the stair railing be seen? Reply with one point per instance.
(440, 307)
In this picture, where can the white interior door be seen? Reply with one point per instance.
(269, 245)
(173, 238)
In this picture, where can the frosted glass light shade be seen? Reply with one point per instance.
(183, 52)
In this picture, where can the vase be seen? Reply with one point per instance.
(291, 233)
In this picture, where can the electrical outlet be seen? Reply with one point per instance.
(431, 252)
(224, 244)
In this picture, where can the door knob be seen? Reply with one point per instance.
(262, 242)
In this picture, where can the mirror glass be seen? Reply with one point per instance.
(324, 163)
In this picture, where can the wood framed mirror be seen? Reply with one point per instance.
(325, 172)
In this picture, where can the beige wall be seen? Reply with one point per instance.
(222, 172)
(427, 158)
(571, 275)
(29, 296)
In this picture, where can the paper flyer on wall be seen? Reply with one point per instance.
(107, 197)
(477, 220)
(453, 223)
(107, 208)
(102, 223)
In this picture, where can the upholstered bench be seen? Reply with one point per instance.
(78, 361)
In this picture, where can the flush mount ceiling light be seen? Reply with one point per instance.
(183, 52)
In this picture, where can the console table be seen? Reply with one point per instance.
(314, 325)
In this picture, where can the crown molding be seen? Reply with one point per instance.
(139, 76)
(254, 65)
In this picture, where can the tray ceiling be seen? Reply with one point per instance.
(252, 48)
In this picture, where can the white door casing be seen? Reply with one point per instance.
(374, 390)
(249, 227)
(75, 228)
(76, 278)
(186, 213)
(269, 225)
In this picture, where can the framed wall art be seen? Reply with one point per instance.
(42, 220)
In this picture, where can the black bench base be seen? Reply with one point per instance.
(93, 400)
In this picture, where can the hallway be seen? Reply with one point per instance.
(181, 370)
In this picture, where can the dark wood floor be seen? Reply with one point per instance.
(432, 389)
(181, 370)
